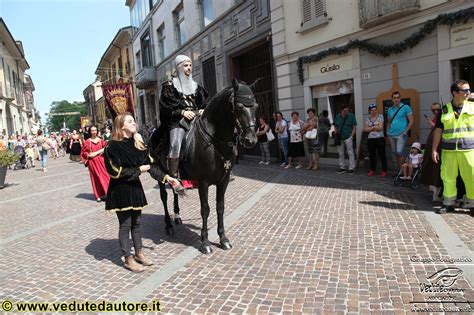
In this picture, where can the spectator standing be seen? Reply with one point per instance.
(106, 136)
(296, 146)
(324, 125)
(454, 129)
(261, 133)
(75, 146)
(400, 121)
(375, 140)
(346, 124)
(30, 154)
(430, 171)
(126, 158)
(281, 129)
(312, 145)
(43, 147)
(92, 157)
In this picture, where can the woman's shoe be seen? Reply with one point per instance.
(140, 257)
(383, 174)
(288, 166)
(315, 167)
(132, 265)
(371, 173)
(98, 200)
(298, 166)
(310, 166)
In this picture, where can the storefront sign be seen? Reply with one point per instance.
(330, 66)
(462, 35)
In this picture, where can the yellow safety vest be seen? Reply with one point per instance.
(458, 134)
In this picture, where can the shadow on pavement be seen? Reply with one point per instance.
(85, 196)
(105, 249)
(153, 228)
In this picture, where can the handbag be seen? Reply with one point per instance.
(312, 134)
(45, 146)
(270, 136)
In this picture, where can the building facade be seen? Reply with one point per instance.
(224, 38)
(94, 103)
(116, 65)
(17, 111)
(329, 53)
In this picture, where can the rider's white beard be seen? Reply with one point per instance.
(183, 83)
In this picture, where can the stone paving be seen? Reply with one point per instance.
(303, 242)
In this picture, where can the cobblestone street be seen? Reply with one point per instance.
(303, 242)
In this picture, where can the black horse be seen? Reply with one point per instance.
(207, 153)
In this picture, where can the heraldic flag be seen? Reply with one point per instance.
(119, 98)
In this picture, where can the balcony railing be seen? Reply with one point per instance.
(146, 78)
(375, 12)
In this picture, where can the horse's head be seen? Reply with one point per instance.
(245, 107)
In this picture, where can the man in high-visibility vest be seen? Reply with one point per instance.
(455, 130)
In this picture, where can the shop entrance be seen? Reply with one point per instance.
(331, 97)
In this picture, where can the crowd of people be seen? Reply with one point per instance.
(446, 163)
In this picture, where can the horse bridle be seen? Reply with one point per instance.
(246, 100)
(211, 141)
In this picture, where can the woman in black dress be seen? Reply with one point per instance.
(126, 158)
(75, 147)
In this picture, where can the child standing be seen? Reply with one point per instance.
(414, 161)
(30, 154)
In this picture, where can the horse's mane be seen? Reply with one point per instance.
(217, 99)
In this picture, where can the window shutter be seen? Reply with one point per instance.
(307, 16)
(318, 8)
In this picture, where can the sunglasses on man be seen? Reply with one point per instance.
(464, 90)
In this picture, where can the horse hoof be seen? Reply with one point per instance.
(205, 249)
(169, 230)
(226, 245)
(178, 221)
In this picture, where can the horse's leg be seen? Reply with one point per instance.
(177, 218)
(205, 247)
(164, 200)
(220, 196)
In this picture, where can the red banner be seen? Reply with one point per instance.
(119, 98)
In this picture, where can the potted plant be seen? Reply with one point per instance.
(6, 158)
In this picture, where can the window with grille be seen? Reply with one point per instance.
(313, 14)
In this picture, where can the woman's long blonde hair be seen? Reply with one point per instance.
(117, 133)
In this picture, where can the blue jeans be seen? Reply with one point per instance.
(283, 142)
(44, 157)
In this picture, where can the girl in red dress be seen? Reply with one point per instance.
(92, 157)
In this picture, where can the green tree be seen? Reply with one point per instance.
(55, 123)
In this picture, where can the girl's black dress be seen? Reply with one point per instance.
(123, 161)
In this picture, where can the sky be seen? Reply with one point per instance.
(63, 41)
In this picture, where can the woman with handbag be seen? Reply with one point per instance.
(43, 148)
(93, 158)
(310, 130)
(261, 133)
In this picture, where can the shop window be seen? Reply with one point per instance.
(313, 14)
(207, 12)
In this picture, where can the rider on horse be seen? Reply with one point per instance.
(180, 101)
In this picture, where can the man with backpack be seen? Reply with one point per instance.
(400, 121)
